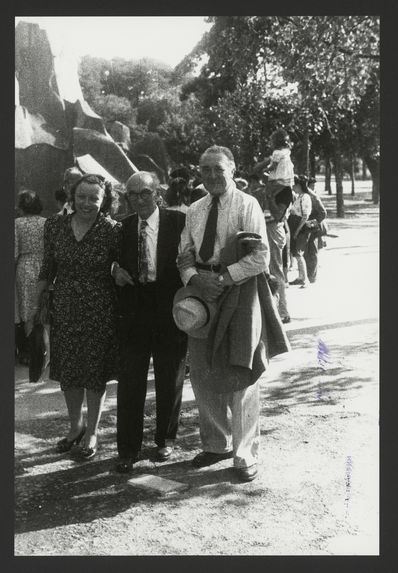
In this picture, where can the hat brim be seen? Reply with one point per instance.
(191, 291)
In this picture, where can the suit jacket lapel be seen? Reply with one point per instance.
(161, 249)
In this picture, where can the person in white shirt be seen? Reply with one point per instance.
(280, 169)
(229, 420)
(299, 233)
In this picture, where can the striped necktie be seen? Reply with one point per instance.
(142, 253)
(209, 236)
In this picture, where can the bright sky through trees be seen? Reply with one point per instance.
(164, 38)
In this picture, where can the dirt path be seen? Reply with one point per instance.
(317, 492)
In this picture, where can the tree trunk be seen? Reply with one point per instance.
(303, 155)
(328, 176)
(364, 173)
(338, 173)
(312, 163)
(352, 174)
(373, 164)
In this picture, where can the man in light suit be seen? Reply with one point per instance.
(148, 279)
(228, 415)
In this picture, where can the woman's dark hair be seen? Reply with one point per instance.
(111, 200)
(177, 192)
(60, 195)
(302, 180)
(280, 138)
(180, 172)
(29, 202)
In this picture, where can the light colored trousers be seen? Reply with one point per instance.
(228, 421)
(277, 240)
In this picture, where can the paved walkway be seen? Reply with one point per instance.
(317, 493)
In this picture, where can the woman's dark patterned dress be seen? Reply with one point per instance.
(83, 344)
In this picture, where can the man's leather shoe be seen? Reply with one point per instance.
(209, 458)
(164, 453)
(297, 282)
(247, 474)
(125, 465)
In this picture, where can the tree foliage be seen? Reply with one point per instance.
(130, 81)
(113, 108)
(328, 58)
(318, 76)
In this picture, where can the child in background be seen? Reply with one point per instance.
(280, 168)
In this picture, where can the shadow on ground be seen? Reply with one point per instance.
(85, 492)
(68, 492)
(312, 385)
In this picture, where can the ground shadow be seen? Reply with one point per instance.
(300, 330)
(89, 491)
(312, 385)
(84, 492)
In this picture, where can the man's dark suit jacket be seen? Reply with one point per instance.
(168, 281)
(146, 327)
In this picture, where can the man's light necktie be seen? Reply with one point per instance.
(142, 253)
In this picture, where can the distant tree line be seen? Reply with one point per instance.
(317, 76)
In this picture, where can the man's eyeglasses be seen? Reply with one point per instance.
(144, 194)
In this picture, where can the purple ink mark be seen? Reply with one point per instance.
(323, 354)
(349, 465)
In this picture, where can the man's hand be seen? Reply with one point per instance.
(121, 276)
(226, 279)
(208, 285)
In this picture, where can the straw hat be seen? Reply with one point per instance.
(192, 314)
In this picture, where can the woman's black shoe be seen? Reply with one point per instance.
(85, 453)
(65, 445)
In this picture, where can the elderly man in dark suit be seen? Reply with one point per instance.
(149, 279)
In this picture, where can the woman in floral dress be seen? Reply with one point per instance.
(78, 251)
(29, 230)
